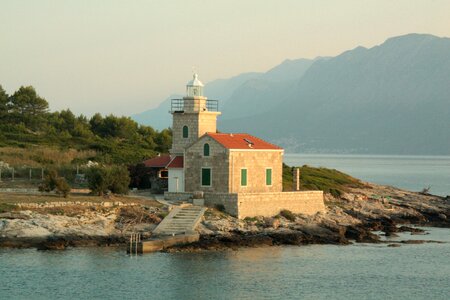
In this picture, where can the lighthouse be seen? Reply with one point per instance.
(193, 116)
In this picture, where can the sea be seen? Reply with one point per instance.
(358, 271)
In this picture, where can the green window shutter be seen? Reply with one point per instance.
(268, 176)
(243, 177)
(185, 132)
(206, 177)
(206, 150)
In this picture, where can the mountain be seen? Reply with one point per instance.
(261, 93)
(159, 117)
(221, 89)
(390, 99)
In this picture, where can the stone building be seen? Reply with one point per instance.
(237, 171)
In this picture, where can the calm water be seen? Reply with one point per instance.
(360, 271)
(408, 172)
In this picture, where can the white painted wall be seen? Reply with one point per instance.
(173, 174)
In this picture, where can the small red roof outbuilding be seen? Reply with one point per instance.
(157, 162)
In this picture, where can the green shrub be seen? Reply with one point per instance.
(53, 182)
(220, 207)
(98, 180)
(5, 207)
(288, 215)
(62, 187)
(119, 180)
(328, 180)
(103, 179)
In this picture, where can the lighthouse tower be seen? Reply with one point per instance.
(193, 116)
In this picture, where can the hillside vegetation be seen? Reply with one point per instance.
(327, 180)
(31, 135)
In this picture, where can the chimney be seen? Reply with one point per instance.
(296, 179)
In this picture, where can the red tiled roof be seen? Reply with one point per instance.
(176, 162)
(242, 141)
(157, 162)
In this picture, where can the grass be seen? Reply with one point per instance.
(328, 180)
(37, 156)
(6, 207)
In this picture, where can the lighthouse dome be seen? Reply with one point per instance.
(194, 88)
(195, 81)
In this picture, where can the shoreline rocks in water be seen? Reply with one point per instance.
(352, 217)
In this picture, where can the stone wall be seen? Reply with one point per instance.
(256, 162)
(217, 160)
(270, 204)
(172, 196)
(229, 201)
(244, 205)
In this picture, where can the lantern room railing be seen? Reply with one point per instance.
(180, 105)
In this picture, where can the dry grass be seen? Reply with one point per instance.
(40, 156)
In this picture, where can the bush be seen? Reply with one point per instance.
(53, 182)
(5, 207)
(288, 215)
(119, 180)
(62, 187)
(220, 207)
(98, 179)
(103, 179)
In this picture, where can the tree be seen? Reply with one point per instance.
(103, 179)
(120, 180)
(28, 107)
(3, 103)
(98, 180)
(164, 140)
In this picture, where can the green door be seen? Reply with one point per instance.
(206, 177)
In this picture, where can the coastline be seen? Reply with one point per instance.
(354, 217)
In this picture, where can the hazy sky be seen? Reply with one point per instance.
(124, 57)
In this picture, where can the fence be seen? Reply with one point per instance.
(73, 174)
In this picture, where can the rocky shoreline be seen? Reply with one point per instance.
(361, 215)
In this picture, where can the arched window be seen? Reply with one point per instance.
(206, 149)
(185, 132)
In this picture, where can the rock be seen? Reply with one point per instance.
(53, 243)
(394, 245)
(390, 234)
(272, 223)
(411, 229)
(413, 242)
(361, 234)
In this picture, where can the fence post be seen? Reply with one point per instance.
(30, 174)
(0, 175)
(12, 178)
(42, 173)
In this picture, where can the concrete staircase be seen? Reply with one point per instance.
(181, 220)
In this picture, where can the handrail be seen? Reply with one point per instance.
(182, 105)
